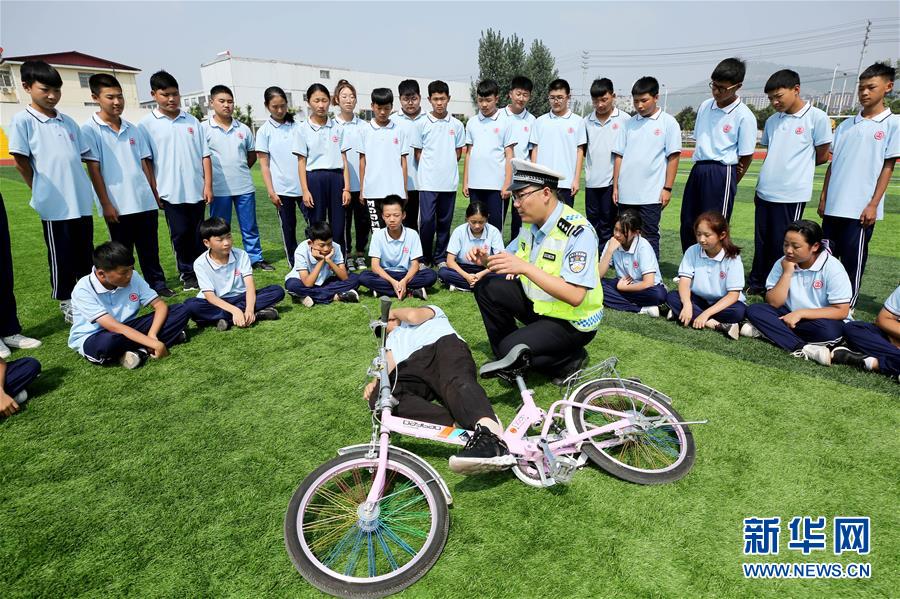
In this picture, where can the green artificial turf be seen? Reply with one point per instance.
(173, 480)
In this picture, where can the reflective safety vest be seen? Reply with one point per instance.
(585, 316)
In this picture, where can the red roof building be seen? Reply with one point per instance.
(74, 59)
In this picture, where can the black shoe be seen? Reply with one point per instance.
(268, 314)
(223, 325)
(262, 265)
(165, 292)
(760, 291)
(182, 338)
(189, 283)
(845, 355)
(349, 296)
(571, 367)
(484, 452)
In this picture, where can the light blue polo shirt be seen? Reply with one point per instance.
(520, 126)
(277, 140)
(644, 145)
(91, 300)
(601, 138)
(383, 148)
(823, 284)
(408, 338)
(724, 134)
(557, 139)
(488, 138)
(462, 240)
(712, 278)
(178, 147)
(636, 261)
(303, 260)
(322, 145)
(352, 132)
(395, 254)
(858, 153)
(228, 149)
(892, 303)
(60, 189)
(410, 129)
(120, 154)
(438, 139)
(786, 175)
(224, 280)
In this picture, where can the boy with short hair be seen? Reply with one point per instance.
(489, 150)
(558, 140)
(864, 152)
(521, 123)
(48, 149)
(408, 118)
(122, 175)
(183, 171)
(725, 131)
(602, 126)
(15, 376)
(105, 305)
(646, 159)
(396, 252)
(228, 294)
(438, 142)
(383, 155)
(230, 144)
(797, 138)
(319, 275)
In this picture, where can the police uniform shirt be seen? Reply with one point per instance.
(488, 136)
(892, 304)
(409, 127)
(462, 240)
(352, 132)
(557, 139)
(277, 140)
(91, 301)
(645, 145)
(786, 175)
(304, 260)
(438, 168)
(178, 147)
(520, 126)
(601, 138)
(321, 145)
(121, 154)
(54, 147)
(636, 261)
(712, 278)
(823, 284)
(408, 338)
(224, 280)
(383, 148)
(395, 254)
(724, 134)
(228, 147)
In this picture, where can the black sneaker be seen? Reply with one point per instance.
(189, 283)
(349, 296)
(571, 367)
(484, 452)
(269, 313)
(419, 294)
(165, 292)
(262, 265)
(845, 355)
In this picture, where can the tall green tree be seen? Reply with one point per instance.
(491, 59)
(686, 118)
(514, 49)
(540, 67)
(502, 58)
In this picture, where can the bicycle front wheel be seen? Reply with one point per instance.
(346, 554)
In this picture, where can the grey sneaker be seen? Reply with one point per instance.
(419, 294)
(307, 301)
(132, 359)
(65, 307)
(816, 353)
(361, 262)
(732, 331)
(4, 351)
(651, 311)
(748, 330)
(21, 397)
(269, 313)
(21, 342)
(223, 325)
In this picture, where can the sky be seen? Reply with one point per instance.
(440, 39)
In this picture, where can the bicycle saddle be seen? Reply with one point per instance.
(513, 364)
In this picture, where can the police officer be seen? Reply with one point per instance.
(551, 284)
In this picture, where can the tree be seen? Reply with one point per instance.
(197, 112)
(244, 115)
(502, 59)
(762, 115)
(514, 49)
(491, 59)
(540, 67)
(686, 118)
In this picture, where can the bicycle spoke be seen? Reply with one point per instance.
(353, 558)
(400, 542)
(387, 551)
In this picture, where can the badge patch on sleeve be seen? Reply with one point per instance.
(549, 256)
(577, 261)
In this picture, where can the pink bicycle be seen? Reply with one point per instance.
(373, 520)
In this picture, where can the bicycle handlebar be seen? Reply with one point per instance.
(385, 308)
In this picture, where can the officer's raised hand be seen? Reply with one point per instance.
(506, 263)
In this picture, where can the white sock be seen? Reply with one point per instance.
(869, 362)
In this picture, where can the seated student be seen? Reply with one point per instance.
(15, 376)
(460, 274)
(874, 347)
(638, 286)
(228, 294)
(396, 253)
(807, 300)
(105, 304)
(319, 275)
(710, 280)
(436, 382)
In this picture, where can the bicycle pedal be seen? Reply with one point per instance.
(564, 469)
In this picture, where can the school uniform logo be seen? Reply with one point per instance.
(131, 141)
(635, 264)
(405, 249)
(396, 141)
(334, 138)
(452, 132)
(571, 130)
(615, 126)
(525, 128)
(799, 130)
(133, 297)
(496, 129)
(190, 130)
(577, 261)
(726, 128)
(72, 136)
(657, 132)
(240, 135)
(237, 272)
(722, 274)
(818, 284)
(879, 135)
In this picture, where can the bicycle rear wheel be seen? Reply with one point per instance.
(345, 554)
(651, 450)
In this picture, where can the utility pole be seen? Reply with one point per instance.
(831, 90)
(585, 56)
(862, 50)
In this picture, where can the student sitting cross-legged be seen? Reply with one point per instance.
(461, 274)
(710, 279)
(638, 286)
(228, 294)
(396, 252)
(105, 305)
(320, 275)
(874, 346)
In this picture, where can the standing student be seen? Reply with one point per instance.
(278, 166)
(807, 300)
(345, 100)
(409, 118)
(489, 150)
(798, 137)
(10, 328)
(710, 280)
(48, 149)
(638, 285)
(602, 127)
(725, 131)
(558, 141)
(322, 160)
(182, 169)
(319, 275)
(15, 376)
(122, 175)
(520, 124)
(230, 145)
(646, 159)
(383, 157)
(461, 273)
(864, 152)
(874, 346)
(438, 144)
